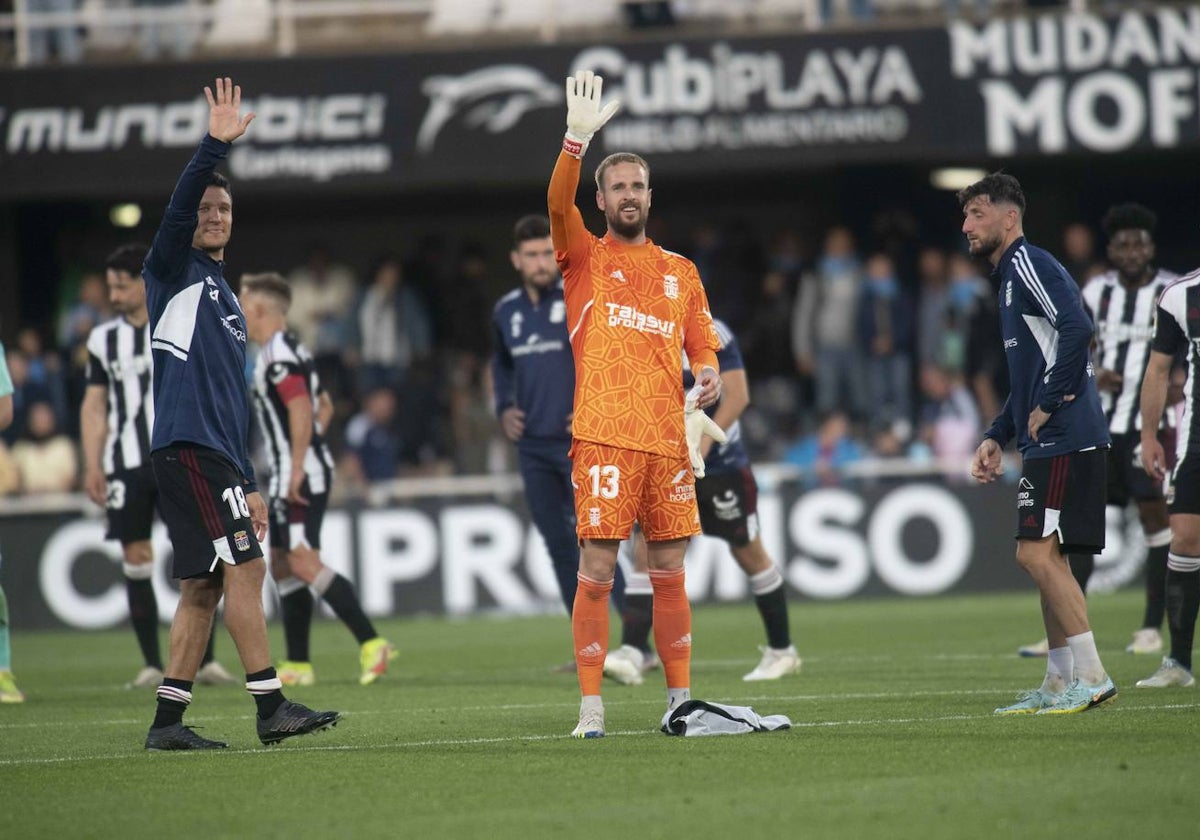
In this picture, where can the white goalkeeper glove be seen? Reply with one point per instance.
(584, 115)
(697, 424)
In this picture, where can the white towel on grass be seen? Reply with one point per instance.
(700, 717)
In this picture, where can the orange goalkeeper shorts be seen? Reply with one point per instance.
(616, 487)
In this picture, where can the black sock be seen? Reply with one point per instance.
(143, 615)
(209, 652)
(1082, 566)
(266, 699)
(173, 698)
(296, 608)
(1156, 586)
(1183, 602)
(636, 621)
(342, 599)
(772, 606)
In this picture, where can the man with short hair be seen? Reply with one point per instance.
(727, 496)
(1123, 303)
(293, 411)
(1177, 330)
(116, 417)
(1054, 413)
(632, 309)
(533, 378)
(208, 495)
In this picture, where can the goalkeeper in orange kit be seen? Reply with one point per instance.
(633, 309)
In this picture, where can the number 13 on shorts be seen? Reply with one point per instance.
(605, 480)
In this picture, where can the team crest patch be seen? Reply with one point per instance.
(671, 286)
(242, 540)
(1008, 293)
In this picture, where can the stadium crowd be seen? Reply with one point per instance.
(857, 344)
(181, 29)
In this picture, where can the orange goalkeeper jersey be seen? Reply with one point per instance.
(631, 311)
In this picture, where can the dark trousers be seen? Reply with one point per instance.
(546, 471)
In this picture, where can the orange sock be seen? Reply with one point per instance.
(589, 624)
(673, 627)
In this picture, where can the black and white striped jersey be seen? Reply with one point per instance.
(1176, 332)
(1124, 320)
(119, 358)
(285, 370)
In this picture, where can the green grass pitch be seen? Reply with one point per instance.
(893, 738)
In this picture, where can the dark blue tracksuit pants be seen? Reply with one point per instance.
(546, 471)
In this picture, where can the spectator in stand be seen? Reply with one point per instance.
(950, 422)
(468, 307)
(176, 37)
(68, 45)
(323, 294)
(824, 326)
(394, 330)
(1079, 250)
(25, 393)
(931, 305)
(89, 309)
(373, 448)
(885, 325)
(46, 373)
(860, 10)
(46, 459)
(974, 345)
(823, 454)
(471, 417)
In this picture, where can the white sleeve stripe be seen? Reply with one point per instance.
(582, 315)
(1029, 275)
(1025, 268)
(158, 344)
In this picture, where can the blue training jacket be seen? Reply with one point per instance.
(1047, 334)
(198, 332)
(532, 364)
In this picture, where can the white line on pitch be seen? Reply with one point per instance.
(460, 742)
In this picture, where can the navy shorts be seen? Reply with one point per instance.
(728, 503)
(202, 499)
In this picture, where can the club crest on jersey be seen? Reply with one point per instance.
(1008, 293)
(671, 286)
(558, 312)
(514, 324)
(242, 540)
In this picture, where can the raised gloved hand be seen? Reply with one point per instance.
(584, 115)
(697, 424)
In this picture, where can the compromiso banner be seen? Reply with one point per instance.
(1049, 84)
(459, 556)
